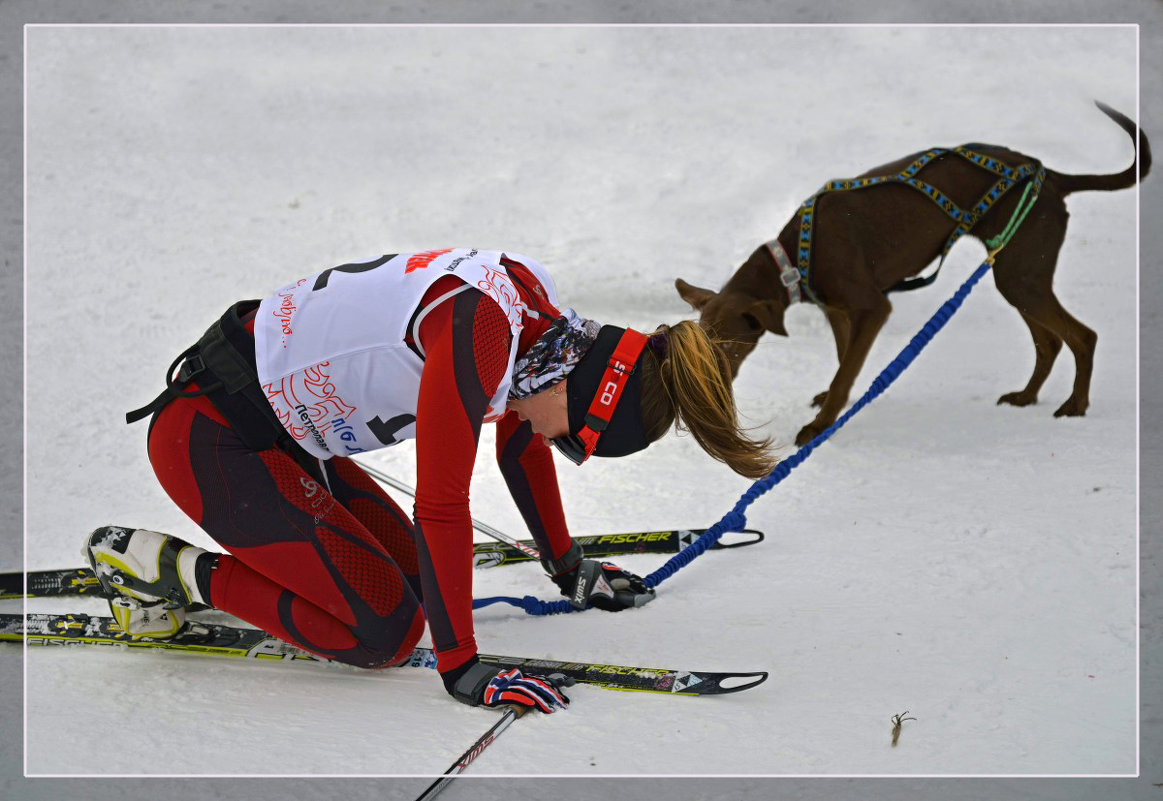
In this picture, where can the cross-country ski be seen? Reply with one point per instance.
(71, 630)
(82, 581)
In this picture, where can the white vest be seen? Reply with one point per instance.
(331, 354)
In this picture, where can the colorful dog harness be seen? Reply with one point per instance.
(799, 275)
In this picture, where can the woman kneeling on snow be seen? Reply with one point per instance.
(253, 435)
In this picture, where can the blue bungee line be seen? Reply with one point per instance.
(736, 520)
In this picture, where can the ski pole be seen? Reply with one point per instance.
(478, 525)
(512, 712)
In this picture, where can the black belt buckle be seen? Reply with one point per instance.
(190, 368)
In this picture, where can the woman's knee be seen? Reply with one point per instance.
(389, 641)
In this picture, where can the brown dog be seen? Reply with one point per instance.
(866, 236)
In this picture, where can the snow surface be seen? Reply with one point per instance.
(971, 563)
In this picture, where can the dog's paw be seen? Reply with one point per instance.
(1022, 398)
(1072, 408)
(808, 433)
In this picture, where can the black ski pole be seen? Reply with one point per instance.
(512, 712)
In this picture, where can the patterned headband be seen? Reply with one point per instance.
(554, 354)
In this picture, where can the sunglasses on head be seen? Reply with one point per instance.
(580, 446)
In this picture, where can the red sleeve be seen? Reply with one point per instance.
(526, 462)
(525, 459)
(466, 342)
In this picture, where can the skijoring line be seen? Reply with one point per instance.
(735, 519)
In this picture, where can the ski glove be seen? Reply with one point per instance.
(489, 685)
(604, 585)
(511, 687)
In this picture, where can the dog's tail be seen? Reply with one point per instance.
(1119, 180)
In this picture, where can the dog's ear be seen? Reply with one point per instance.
(769, 315)
(693, 295)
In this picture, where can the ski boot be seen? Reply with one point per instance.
(148, 577)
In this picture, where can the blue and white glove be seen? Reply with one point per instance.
(489, 685)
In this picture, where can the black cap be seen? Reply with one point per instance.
(625, 433)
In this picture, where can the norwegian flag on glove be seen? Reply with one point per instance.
(511, 687)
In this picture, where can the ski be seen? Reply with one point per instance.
(204, 638)
(596, 546)
(49, 583)
(81, 581)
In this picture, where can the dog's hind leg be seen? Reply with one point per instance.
(865, 325)
(1024, 273)
(1046, 347)
(1081, 341)
(842, 332)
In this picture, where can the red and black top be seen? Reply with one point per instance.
(466, 341)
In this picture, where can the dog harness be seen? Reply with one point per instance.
(799, 275)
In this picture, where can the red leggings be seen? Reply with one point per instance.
(331, 568)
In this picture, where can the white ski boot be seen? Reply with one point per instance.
(148, 577)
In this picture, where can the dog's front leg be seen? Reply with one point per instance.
(842, 333)
(864, 324)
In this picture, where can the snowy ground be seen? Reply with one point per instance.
(973, 564)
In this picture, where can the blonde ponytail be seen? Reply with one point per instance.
(688, 384)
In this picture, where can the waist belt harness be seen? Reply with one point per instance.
(223, 363)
